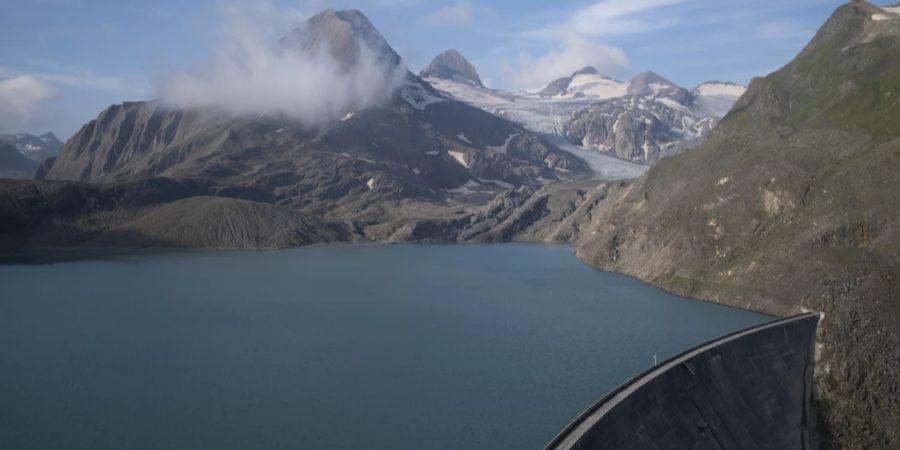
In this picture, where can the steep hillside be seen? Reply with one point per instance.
(791, 204)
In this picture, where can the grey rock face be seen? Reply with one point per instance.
(343, 34)
(451, 65)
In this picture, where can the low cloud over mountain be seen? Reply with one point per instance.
(309, 80)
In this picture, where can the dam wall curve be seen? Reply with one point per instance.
(747, 390)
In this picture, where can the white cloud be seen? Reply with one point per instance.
(84, 79)
(610, 17)
(19, 99)
(254, 74)
(574, 53)
(456, 14)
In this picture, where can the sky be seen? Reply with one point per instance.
(64, 61)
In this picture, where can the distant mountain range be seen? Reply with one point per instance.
(640, 121)
(35, 148)
(20, 153)
(418, 143)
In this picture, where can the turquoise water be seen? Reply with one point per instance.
(344, 347)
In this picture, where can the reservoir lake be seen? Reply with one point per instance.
(333, 347)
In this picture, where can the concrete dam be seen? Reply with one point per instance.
(747, 390)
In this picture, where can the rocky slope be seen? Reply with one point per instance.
(150, 213)
(642, 121)
(35, 148)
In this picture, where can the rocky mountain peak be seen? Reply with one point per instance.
(452, 65)
(589, 70)
(345, 34)
(556, 87)
(649, 83)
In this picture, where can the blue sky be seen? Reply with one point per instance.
(63, 61)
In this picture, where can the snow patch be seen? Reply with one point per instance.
(503, 148)
(465, 189)
(879, 17)
(673, 104)
(348, 116)
(720, 90)
(659, 87)
(606, 167)
(499, 183)
(433, 153)
(419, 97)
(460, 157)
(371, 184)
(595, 86)
(462, 137)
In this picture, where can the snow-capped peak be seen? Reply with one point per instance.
(586, 83)
(716, 98)
(719, 89)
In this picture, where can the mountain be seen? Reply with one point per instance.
(789, 205)
(649, 83)
(605, 121)
(35, 148)
(451, 65)
(346, 35)
(416, 144)
(416, 153)
(585, 83)
(13, 164)
(655, 119)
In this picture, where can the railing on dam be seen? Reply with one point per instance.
(747, 390)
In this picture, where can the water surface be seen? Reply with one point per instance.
(344, 347)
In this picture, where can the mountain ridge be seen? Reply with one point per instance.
(641, 121)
